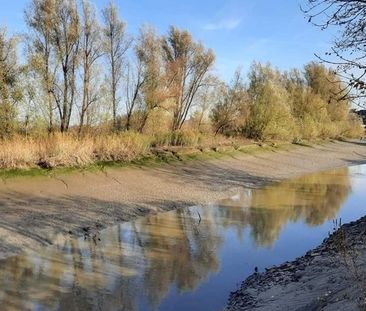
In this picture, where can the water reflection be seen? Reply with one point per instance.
(312, 199)
(135, 266)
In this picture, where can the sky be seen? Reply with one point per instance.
(239, 31)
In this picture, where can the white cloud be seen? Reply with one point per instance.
(224, 24)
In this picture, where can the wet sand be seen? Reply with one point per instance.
(35, 210)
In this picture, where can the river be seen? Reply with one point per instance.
(187, 259)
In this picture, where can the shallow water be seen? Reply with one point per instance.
(189, 259)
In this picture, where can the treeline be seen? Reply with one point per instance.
(292, 105)
(84, 73)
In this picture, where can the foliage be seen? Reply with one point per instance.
(292, 105)
(270, 116)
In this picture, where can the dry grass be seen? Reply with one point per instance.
(195, 139)
(69, 151)
(123, 147)
(18, 153)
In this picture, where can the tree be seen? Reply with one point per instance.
(116, 44)
(10, 94)
(204, 103)
(187, 64)
(154, 91)
(134, 83)
(327, 85)
(40, 17)
(66, 38)
(231, 110)
(91, 51)
(348, 52)
(270, 112)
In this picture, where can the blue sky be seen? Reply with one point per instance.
(240, 31)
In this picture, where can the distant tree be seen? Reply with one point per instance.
(187, 65)
(10, 93)
(348, 52)
(116, 44)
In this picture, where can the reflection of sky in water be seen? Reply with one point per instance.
(174, 261)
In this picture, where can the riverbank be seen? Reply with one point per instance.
(329, 277)
(35, 210)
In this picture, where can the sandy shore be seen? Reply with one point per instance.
(330, 277)
(34, 210)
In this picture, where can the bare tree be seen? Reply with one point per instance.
(91, 50)
(206, 96)
(66, 36)
(231, 109)
(348, 52)
(187, 66)
(134, 83)
(40, 18)
(116, 44)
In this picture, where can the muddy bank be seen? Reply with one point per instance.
(330, 277)
(35, 210)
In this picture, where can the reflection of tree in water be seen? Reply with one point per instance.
(179, 251)
(74, 279)
(154, 252)
(313, 198)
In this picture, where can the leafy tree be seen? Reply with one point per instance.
(270, 116)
